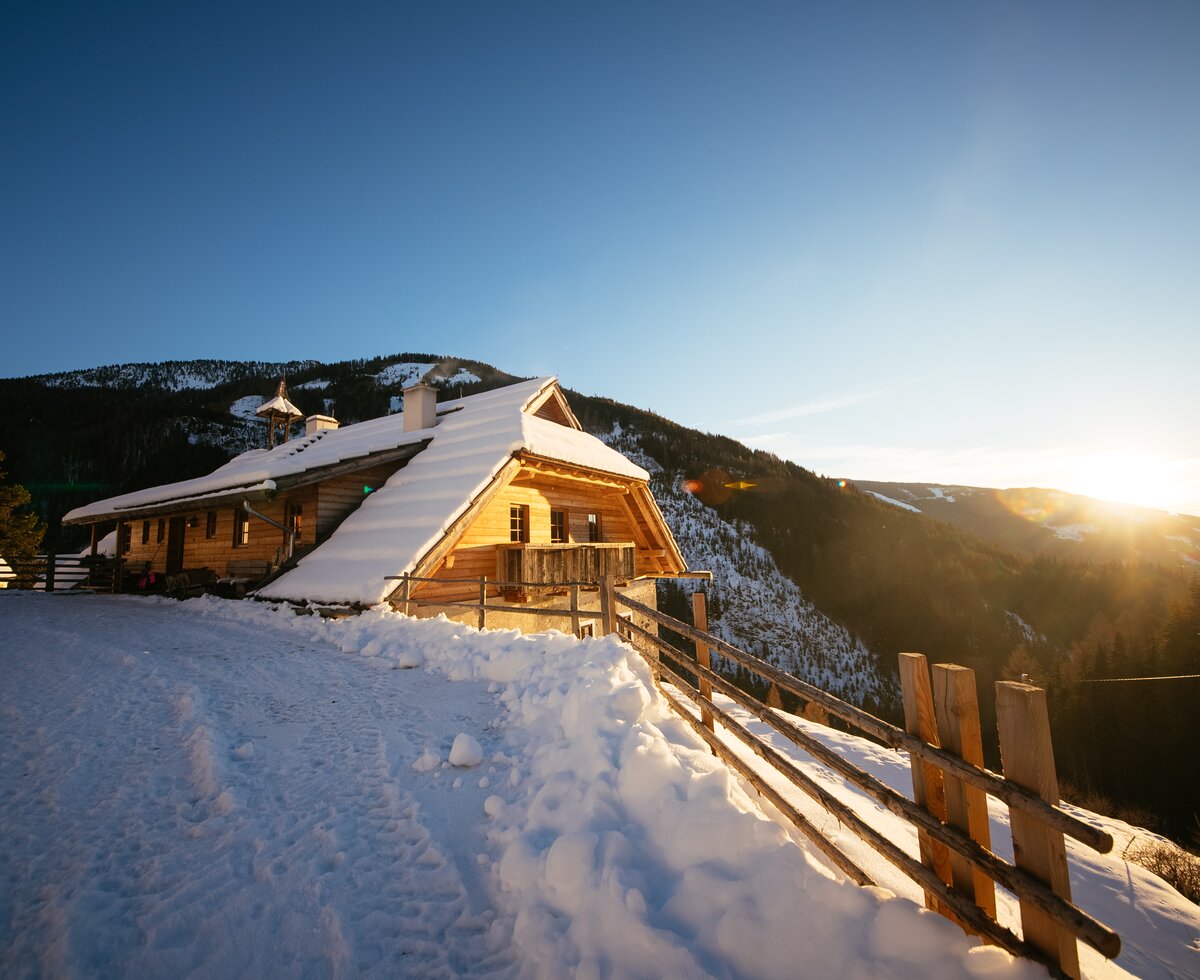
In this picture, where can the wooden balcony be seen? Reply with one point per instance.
(558, 564)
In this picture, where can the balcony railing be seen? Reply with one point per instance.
(558, 564)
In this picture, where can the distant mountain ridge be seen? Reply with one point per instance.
(1035, 521)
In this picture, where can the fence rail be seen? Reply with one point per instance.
(961, 888)
(62, 573)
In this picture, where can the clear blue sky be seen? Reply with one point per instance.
(953, 242)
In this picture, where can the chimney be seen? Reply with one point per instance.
(420, 407)
(315, 423)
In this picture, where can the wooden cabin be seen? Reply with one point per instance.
(503, 486)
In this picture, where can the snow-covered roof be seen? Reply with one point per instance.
(397, 525)
(279, 406)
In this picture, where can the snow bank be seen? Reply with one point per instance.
(624, 848)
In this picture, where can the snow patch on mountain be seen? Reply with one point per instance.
(752, 604)
(404, 373)
(1071, 532)
(895, 503)
(199, 374)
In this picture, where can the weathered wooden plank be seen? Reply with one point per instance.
(1028, 759)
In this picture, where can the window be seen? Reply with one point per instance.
(518, 523)
(241, 528)
(124, 537)
(295, 520)
(145, 532)
(594, 534)
(162, 530)
(558, 527)
(210, 524)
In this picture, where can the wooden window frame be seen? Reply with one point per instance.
(560, 526)
(518, 523)
(146, 531)
(295, 520)
(595, 529)
(161, 533)
(241, 528)
(124, 538)
(210, 524)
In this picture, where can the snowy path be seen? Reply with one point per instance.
(268, 821)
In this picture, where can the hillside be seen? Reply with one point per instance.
(1034, 521)
(824, 579)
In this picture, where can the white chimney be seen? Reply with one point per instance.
(420, 407)
(314, 423)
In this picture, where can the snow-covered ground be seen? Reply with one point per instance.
(222, 789)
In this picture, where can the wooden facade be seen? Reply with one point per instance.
(609, 525)
(202, 536)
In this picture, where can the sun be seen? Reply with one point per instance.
(1123, 477)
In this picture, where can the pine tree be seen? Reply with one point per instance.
(20, 531)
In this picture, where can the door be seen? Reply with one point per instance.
(175, 533)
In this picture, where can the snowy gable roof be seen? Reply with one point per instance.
(401, 521)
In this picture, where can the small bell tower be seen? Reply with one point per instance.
(280, 414)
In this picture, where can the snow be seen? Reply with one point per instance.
(217, 788)
(466, 752)
(1072, 532)
(405, 373)
(246, 408)
(6, 574)
(319, 384)
(278, 404)
(460, 377)
(895, 503)
(939, 493)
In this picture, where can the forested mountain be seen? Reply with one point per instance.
(1034, 521)
(826, 579)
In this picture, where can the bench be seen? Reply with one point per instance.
(241, 574)
(190, 583)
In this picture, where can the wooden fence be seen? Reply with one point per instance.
(572, 611)
(957, 870)
(61, 573)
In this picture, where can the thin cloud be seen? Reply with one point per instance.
(811, 408)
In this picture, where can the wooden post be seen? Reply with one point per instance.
(95, 541)
(119, 568)
(956, 707)
(575, 609)
(929, 791)
(406, 592)
(1028, 759)
(482, 601)
(51, 559)
(608, 605)
(703, 658)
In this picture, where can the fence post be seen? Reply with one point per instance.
(119, 570)
(406, 592)
(608, 605)
(575, 609)
(928, 788)
(482, 601)
(1028, 760)
(51, 561)
(700, 621)
(956, 707)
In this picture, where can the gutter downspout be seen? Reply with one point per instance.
(291, 535)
